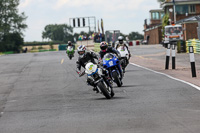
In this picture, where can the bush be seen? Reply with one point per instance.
(51, 45)
(11, 42)
(40, 47)
(41, 43)
(33, 48)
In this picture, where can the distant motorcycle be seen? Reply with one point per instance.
(96, 76)
(70, 52)
(112, 64)
(124, 56)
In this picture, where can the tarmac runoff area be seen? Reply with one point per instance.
(153, 57)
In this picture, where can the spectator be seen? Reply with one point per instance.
(100, 37)
(171, 30)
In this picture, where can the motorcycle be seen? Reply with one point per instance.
(124, 56)
(96, 76)
(112, 64)
(70, 52)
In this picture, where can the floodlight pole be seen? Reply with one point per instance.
(174, 11)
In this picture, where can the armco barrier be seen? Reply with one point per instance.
(62, 47)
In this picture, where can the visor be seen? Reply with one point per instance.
(81, 52)
(120, 41)
(104, 48)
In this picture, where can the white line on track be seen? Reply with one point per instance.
(197, 87)
(62, 61)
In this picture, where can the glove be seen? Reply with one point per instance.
(81, 73)
(99, 61)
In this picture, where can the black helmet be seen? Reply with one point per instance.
(103, 46)
(69, 43)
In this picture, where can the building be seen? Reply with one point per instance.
(152, 31)
(187, 13)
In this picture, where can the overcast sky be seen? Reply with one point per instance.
(123, 15)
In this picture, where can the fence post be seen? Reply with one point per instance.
(167, 57)
(192, 61)
(173, 57)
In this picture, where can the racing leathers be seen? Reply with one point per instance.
(70, 45)
(123, 44)
(109, 50)
(88, 57)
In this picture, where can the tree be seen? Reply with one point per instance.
(135, 36)
(11, 23)
(58, 32)
(12, 42)
(161, 0)
(165, 22)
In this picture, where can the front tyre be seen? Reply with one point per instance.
(70, 56)
(104, 90)
(116, 79)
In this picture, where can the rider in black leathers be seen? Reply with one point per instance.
(105, 49)
(84, 58)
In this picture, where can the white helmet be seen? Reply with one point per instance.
(81, 50)
(120, 39)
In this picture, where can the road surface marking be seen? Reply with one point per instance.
(143, 57)
(62, 61)
(197, 87)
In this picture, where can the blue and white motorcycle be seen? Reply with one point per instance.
(112, 64)
(95, 75)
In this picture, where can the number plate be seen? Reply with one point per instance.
(111, 63)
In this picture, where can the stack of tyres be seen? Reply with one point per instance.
(198, 46)
(195, 43)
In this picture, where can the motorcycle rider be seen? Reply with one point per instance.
(121, 42)
(105, 49)
(83, 59)
(70, 44)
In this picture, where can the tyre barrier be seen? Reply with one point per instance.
(196, 45)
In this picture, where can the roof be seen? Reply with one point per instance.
(185, 0)
(156, 10)
(179, 2)
(177, 25)
(189, 20)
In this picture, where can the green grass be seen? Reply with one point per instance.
(97, 47)
(44, 50)
(8, 52)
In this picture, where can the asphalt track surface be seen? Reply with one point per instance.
(41, 93)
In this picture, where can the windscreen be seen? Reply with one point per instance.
(108, 57)
(173, 30)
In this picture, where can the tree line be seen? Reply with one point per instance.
(12, 23)
(64, 33)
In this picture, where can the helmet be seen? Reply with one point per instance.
(120, 39)
(81, 50)
(69, 43)
(103, 46)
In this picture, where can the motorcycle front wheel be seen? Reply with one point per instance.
(70, 56)
(116, 79)
(106, 92)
